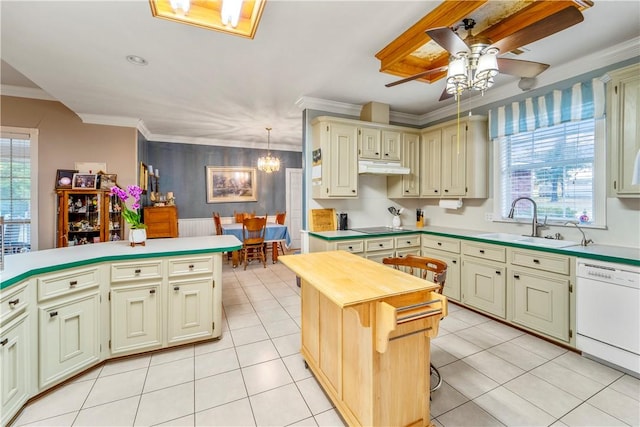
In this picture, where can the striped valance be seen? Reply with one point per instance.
(580, 102)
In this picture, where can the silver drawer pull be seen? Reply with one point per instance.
(137, 271)
(14, 302)
(73, 283)
(53, 314)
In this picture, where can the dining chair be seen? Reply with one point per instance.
(280, 219)
(253, 232)
(241, 216)
(218, 224)
(428, 269)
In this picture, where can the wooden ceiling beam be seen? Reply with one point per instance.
(446, 14)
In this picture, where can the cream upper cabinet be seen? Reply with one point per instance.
(453, 159)
(369, 143)
(391, 145)
(624, 94)
(407, 185)
(335, 160)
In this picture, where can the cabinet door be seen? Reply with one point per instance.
(626, 129)
(190, 309)
(135, 318)
(14, 357)
(430, 156)
(343, 161)
(330, 341)
(391, 147)
(369, 143)
(411, 160)
(541, 302)
(454, 161)
(310, 301)
(484, 286)
(452, 283)
(69, 337)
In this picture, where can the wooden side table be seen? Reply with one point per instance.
(161, 221)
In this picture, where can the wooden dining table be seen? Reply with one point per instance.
(274, 233)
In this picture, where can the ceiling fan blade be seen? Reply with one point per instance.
(520, 68)
(445, 95)
(417, 76)
(545, 27)
(448, 39)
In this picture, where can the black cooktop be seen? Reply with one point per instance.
(381, 230)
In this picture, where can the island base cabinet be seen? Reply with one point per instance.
(190, 310)
(14, 361)
(135, 318)
(541, 303)
(69, 337)
(372, 364)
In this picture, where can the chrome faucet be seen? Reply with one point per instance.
(584, 241)
(534, 221)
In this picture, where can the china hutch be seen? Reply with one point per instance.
(88, 216)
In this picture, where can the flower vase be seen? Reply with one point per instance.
(397, 223)
(137, 236)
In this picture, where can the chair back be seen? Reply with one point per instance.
(253, 231)
(421, 266)
(241, 216)
(218, 224)
(280, 217)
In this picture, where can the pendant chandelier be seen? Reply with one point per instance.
(269, 163)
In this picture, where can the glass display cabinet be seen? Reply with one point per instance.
(87, 217)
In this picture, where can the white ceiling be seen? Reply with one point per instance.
(204, 86)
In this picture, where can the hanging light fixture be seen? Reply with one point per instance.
(472, 70)
(269, 163)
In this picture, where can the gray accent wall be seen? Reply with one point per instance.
(183, 171)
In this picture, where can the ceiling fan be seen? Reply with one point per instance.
(474, 62)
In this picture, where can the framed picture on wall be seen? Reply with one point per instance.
(84, 181)
(231, 184)
(64, 178)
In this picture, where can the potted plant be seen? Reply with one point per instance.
(138, 232)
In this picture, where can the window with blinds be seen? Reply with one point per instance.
(15, 192)
(555, 166)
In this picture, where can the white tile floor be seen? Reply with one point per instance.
(494, 375)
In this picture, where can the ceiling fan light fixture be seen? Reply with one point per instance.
(230, 12)
(268, 163)
(487, 65)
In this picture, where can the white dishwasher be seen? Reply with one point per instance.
(608, 313)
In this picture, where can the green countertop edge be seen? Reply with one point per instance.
(561, 251)
(53, 268)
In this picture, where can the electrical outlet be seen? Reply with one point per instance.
(488, 216)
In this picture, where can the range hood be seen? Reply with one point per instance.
(382, 168)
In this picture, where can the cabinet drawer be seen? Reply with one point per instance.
(190, 266)
(55, 285)
(493, 253)
(541, 261)
(379, 244)
(136, 271)
(407, 241)
(13, 302)
(353, 246)
(441, 243)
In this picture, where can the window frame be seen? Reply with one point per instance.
(599, 183)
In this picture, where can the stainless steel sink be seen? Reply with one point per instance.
(527, 240)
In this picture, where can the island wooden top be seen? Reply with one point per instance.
(347, 279)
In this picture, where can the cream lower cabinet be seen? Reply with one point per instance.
(484, 277)
(539, 287)
(15, 351)
(447, 250)
(69, 323)
(136, 323)
(377, 249)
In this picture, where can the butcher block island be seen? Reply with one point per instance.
(366, 330)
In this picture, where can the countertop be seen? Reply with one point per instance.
(22, 266)
(619, 254)
(347, 279)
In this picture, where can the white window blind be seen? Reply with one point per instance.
(555, 167)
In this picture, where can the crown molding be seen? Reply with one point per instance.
(99, 119)
(307, 102)
(26, 92)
